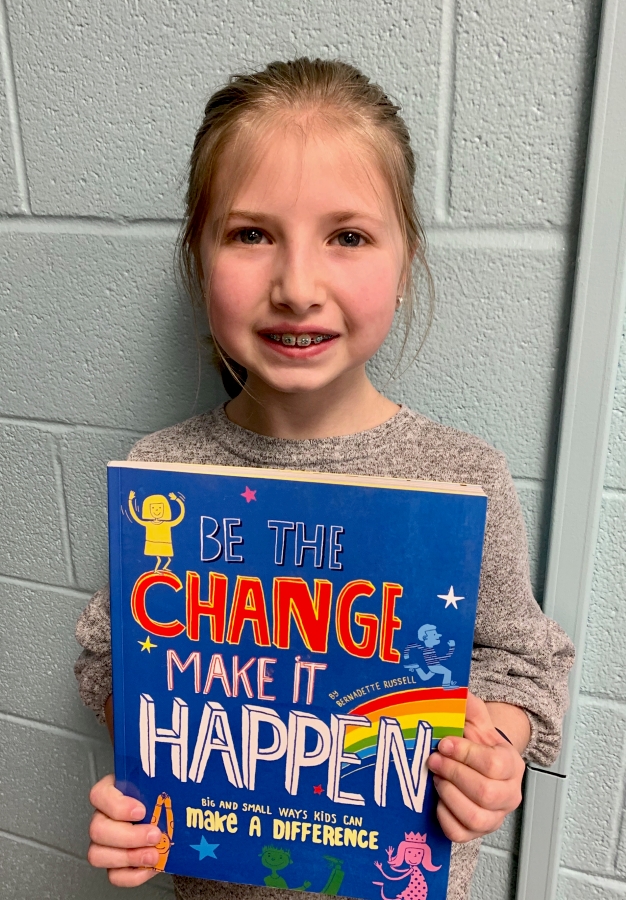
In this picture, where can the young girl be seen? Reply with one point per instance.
(300, 234)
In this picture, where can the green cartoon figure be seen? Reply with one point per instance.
(274, 858)
(335, 879)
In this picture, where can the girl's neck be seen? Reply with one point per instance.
(337, 409)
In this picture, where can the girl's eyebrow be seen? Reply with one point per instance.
(337, 217)
(346, 215)
(247, 214)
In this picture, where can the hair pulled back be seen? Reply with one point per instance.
(344, 98)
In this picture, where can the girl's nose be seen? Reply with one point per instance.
(298, 284)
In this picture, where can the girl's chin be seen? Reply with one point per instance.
(293, 386)
(293, 382)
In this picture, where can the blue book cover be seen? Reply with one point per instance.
(288, 648)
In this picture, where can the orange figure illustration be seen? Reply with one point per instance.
(156, 518)
(163, 802)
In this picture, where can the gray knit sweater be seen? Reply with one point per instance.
(520, 656)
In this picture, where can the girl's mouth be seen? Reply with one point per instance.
(290, 339)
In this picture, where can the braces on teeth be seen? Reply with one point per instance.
(301, 340)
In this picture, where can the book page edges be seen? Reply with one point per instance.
(398, 484)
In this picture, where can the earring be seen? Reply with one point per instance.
(399, 301)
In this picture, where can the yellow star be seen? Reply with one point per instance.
(146, 645)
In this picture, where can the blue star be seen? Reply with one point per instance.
(205, 849)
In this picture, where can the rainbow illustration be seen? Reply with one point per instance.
(444, 710)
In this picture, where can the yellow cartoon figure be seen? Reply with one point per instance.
(163, 801)
(156, 518)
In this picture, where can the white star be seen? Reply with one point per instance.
(450, 599)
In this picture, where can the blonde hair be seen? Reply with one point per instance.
(348, 100)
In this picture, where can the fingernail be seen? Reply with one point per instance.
(149, 858)
(154, 836)
(445, 746)
(138, 812)
(434, 762)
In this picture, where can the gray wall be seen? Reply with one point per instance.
(97, 113)
(594, 852)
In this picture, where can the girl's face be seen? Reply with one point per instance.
(413, 855)
(306, 278)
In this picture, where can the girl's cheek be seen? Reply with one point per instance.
(234, 296)
(376, 286)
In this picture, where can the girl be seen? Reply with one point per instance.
(413, 852)
(299, 237)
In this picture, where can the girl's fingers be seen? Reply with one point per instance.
(488, 793)
(477, 717)
(469, 815)
(106, 798)
(111, 833)
(499, 763)
(451, 826)
(113, 858)
(130, 877)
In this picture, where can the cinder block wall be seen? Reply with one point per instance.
(594, 855)
(98, 107)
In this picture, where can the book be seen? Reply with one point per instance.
(288, 649)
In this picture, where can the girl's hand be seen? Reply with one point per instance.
(478, 777)
(116, 844)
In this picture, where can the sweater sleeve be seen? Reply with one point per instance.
(93, 666)
(520, 656)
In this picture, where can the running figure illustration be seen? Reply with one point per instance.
(427, 639)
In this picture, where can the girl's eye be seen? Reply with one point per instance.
(350, 239)
(249, 236)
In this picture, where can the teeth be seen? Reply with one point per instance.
(300, 340)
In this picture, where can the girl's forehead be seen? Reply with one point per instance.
(312, 168)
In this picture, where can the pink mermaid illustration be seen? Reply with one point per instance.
(413, 852)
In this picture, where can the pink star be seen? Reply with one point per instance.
(248, 494)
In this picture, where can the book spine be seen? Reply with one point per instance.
(115, 499)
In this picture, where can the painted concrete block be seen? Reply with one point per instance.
(523, 93)
(494, 878)
(92, 330)
(111, 93)
(491, 363)
(620, 857)
(29, 871)
(506, 837)
(579, 886)
(104, 760)
(605, 643)
(30, 516)
(595, 794)
(9, 194)
(615, 475)
(36, 667)
(45, 787)
(85, 455)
